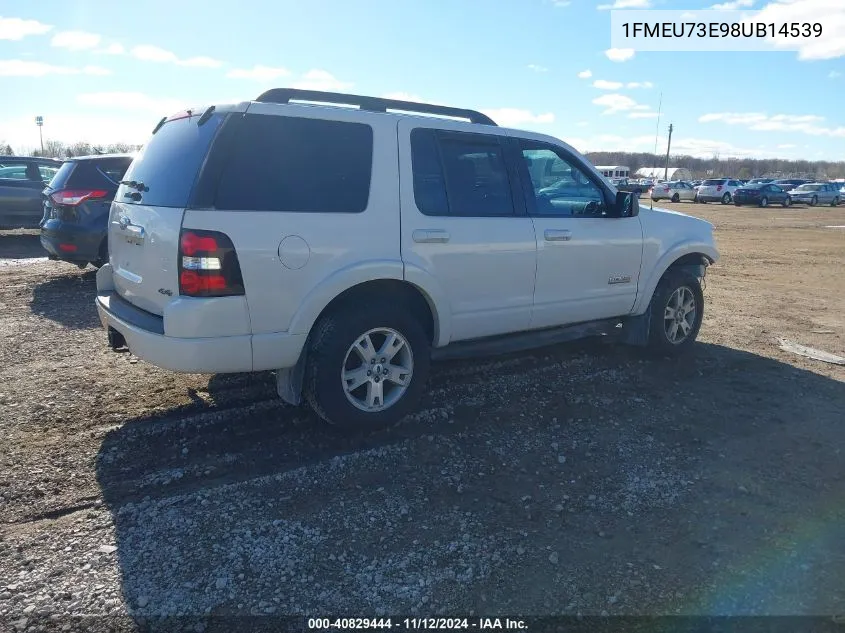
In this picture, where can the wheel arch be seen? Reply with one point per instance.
(694, 258)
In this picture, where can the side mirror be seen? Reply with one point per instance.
(627, 204)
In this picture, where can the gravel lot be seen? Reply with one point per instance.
(578, 479)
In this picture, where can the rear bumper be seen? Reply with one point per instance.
(71, 243)
(145, 336)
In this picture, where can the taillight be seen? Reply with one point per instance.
(208, 265)
(75, 197)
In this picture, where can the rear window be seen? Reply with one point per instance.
(719, 181)
(114, 168)
(168, 164)
(296, 164)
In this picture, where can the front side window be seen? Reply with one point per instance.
(561, 187)
(460, 174)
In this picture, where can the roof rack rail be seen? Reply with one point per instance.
(372, 104)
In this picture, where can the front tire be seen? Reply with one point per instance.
(787, 201)
(814, 201)
(677, 308)
(726, 199)
(834, 202)
(367, 366)
(676, 198)
(764, 202)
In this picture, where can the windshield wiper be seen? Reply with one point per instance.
(135, 185)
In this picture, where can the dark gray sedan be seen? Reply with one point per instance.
(21, 180)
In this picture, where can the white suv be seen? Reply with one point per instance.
(717, 190)
(346, 247)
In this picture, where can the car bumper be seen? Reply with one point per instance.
(746, 200)
(144, 334)
(71, 243)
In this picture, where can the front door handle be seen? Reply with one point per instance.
(430, 236)
(557, 235)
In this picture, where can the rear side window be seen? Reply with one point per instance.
(295, 164)
(169, 162)
(460, 174)
(63, 175)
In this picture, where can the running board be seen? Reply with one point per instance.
(524, 341)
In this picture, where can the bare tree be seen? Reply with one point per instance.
(54, 148)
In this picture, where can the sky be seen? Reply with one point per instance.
(106, 71)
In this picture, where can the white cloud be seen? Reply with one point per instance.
(583, 123)
(732, 6)
(321, 80)
(626, 4)
(93, 128)
(561, 3)
(602, 84)
(761, 122)
(25, 68)
(613, 103)
(17, 29)
(258, 73)
(787, 146)
(114, 48)
(537, 68)
(513, 117)
(131, 101)
(643, 115)
(831, 13)
(75, 40)
(585, 74)
(697, 147)
(834, 74)
(639, 84)
(150, 53)
(619, 54)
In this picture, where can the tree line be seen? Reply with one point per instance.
(58, 149)
(725, 167)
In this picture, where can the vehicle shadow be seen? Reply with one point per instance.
(19, 245)
(241, 505)
(59, 299)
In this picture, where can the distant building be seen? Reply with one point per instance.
(614, 171)
(673, 173)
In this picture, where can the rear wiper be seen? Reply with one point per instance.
(135, 185)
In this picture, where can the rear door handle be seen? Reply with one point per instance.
(557, 235)
(430, 236)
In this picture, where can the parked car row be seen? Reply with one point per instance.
(758, 191)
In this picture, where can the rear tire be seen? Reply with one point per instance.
(787, 202)
(814, 201)
(349, 343)
(677, 308)
(103, 257)
(764, 202)
(676, 198)
(726, 199)
(834, 202)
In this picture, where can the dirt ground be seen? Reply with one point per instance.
(582, 478)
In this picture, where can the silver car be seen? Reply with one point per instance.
(675, 190)
(814, 193)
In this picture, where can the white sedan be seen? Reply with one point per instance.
(675, 191)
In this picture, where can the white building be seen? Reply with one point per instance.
(673, 173)
(614, 171)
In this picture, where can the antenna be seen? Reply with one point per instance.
(656, 133)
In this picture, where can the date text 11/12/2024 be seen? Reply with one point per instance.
(417, 623)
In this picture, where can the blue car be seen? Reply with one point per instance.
(76, 207)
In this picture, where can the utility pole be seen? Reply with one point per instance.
(668, 147)
(39, 121)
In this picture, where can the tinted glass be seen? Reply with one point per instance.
(460, 175)
(13, 172)
(561, 186)
(293, 164)
(169, 162)
(61, 177)
(429, 183)
(46, 172)
(114, 168)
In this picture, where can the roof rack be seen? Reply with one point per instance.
(371, 104)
